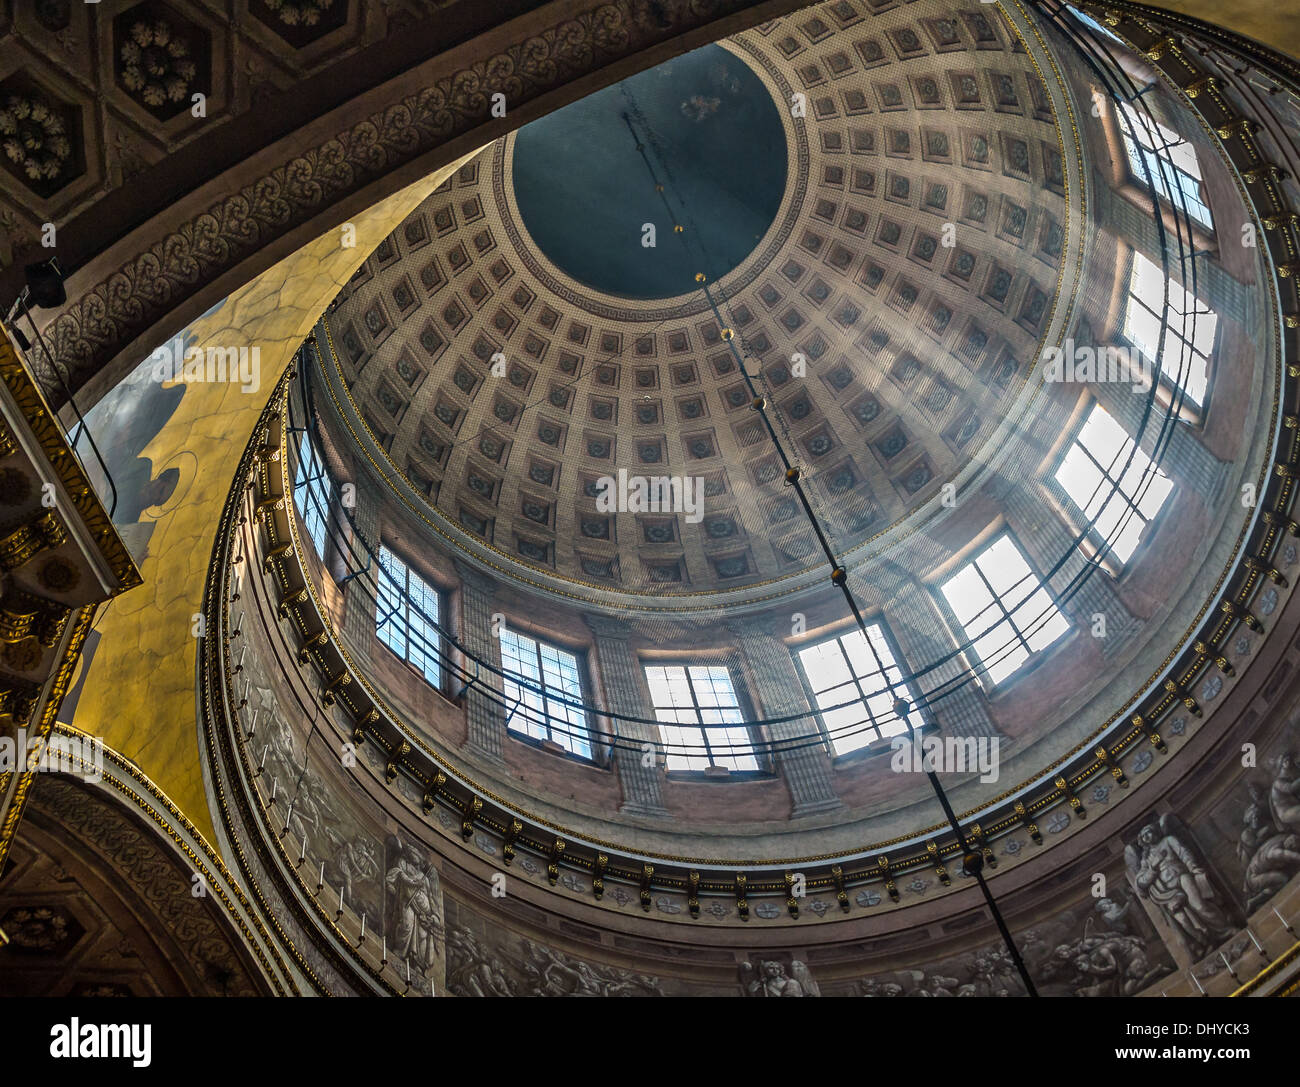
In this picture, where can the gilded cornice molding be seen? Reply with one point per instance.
(53, 444)
(19, 545)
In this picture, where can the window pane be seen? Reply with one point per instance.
(825, 665)
(1023, 617)
(311, 492)
(1004, 566)
(423, 636)
(851, 686)
(686, 749)
(1039, 621)
(388, 605)
(1092, 24)
(967, 594)
(546, 675)
(1142, 327)
(1002, 653)
(1081, 479)
(703, 694)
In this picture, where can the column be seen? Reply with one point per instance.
(959, 709)
(361, 592)
(620, 673)
(780, 692)
(486, 721)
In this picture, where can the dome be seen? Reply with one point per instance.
(890, 305)
(926, 378)
(651, 498)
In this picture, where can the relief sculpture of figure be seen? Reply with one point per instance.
(1111, 958)
(1116, 915)
(1168, 872)
(355, 862)
(472, 969)
(1109, 964)
(553, 973)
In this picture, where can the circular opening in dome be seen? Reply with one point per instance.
(704, 127)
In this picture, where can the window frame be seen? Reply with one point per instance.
(965, 639)
(1093, 543)
(922, 720)
(1162, 181)
(304, 486)
(1092, 24)
(1169, 390)
(764, 763)
(547, 691)
(438, 651)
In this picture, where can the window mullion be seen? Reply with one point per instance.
(857, 683)
(699, 715)
(543, 690)
(997, 599)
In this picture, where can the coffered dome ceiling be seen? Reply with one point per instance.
(881, 207)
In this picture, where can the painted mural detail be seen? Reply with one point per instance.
(1269, 846)
(474, 969)
(338, 844)
(389, 878)
(1104, 948)
(1117, 955)
(353, 865)
(1173, 903)
(771, 977)
(1175, 884)
(125, 425)
(988, 972)
(486, 959)
(413, 911)
(549, 972)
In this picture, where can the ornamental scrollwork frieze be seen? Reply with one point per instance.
(23, 615)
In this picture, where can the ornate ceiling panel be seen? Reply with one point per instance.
(154, 147)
